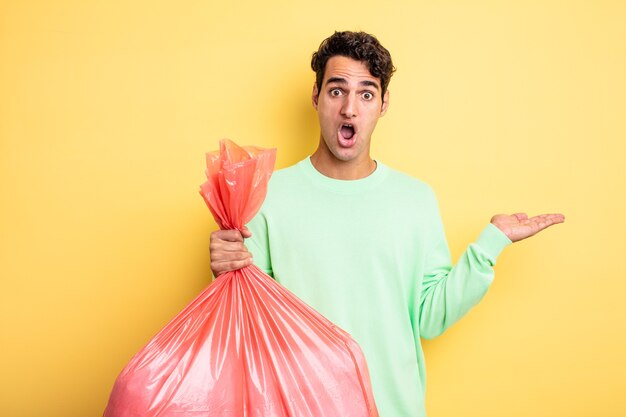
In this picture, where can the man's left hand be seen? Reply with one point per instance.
(518, 226)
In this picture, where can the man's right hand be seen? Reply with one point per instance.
(228, 252)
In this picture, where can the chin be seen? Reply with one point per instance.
(345, 157)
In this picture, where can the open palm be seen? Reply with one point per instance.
(519, 226)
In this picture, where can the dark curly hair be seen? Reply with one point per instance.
(359, 46)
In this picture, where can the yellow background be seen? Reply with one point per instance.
(107, 108)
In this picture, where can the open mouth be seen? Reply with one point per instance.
(347, 131)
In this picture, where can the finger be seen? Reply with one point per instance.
(546, 220)
(226, 246)
(557, 217)
(552, 218)
(221, 256)
(227, 235)
(219, 268)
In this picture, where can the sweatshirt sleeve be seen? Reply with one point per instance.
(449, 292)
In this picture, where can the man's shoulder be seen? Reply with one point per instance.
(287, 175)
(406, 181)
(284, 183)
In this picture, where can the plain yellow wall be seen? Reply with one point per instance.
(107, 108)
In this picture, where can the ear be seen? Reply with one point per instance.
(315, 95)
(385, 104)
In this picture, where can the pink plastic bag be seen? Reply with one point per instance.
(246, 346)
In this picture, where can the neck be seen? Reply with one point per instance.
(332, 167)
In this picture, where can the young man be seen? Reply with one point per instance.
(362, 243)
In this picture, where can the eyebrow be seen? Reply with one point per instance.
(340, 80)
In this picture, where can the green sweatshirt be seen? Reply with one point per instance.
(371, 255)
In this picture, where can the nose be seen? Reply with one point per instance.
(348, 109)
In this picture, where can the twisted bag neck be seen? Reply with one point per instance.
(236, 185)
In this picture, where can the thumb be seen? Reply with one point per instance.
(245, 232)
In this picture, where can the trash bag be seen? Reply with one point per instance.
(245, 346)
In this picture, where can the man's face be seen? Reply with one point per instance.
(348, 105)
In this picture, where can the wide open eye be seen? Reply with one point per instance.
(335, 92)
(368, 96)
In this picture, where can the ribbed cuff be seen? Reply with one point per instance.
(492, 241)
